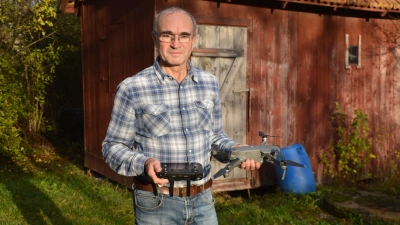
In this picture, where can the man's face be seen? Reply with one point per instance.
(175, 53)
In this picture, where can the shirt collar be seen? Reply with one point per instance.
(192, 72)
(161, 74)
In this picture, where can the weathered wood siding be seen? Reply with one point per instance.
(229, 66)
(295, 67)
(116, 44)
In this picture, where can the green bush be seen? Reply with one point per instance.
(11, 107)
(350, 153)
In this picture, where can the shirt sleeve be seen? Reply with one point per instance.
(119, 148)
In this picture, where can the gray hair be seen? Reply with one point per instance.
(171, 10)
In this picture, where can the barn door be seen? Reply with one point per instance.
(221, 50)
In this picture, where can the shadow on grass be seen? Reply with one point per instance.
(34, 204)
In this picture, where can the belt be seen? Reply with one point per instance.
(142, 185)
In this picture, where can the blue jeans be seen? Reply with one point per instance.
(161, 209)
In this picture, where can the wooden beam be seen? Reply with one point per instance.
(230, 77)
(214, 52)
(239, 22)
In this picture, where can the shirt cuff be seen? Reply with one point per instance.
(139, 164)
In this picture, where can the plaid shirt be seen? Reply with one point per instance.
(154, 116)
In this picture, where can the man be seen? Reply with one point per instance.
(169, 112)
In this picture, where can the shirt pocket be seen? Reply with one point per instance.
(204, 114)
(156, 120)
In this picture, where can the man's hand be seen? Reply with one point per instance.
(152, 166)
(249, 164)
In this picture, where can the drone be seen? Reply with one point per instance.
(261, 153)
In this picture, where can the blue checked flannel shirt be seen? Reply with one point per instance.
(155, 116)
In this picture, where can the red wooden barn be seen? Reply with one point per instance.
(282, 65)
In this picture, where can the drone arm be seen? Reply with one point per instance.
(260, 153)
(267, 153)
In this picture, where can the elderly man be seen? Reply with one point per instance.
(168, 113)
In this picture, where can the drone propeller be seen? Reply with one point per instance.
(261, 134)
(264, 137)
(279, 154)
(284, 162)
(292, 163)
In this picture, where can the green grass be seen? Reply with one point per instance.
(61, 196)
(53, 189)
(66, 195)
(266, 207)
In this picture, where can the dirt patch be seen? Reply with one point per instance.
(365, 204)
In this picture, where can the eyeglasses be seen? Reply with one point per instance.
(170, 38)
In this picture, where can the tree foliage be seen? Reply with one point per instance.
(30, 50)
(11, 106)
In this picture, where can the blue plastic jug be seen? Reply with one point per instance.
(297, 180)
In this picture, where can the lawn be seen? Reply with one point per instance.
(66, 195)
(62, 195)
(54, 189)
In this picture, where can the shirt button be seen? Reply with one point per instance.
(183, 108)
(190, 150)
(187, 129)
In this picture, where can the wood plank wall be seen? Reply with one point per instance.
(107, 30)
(295, 67)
